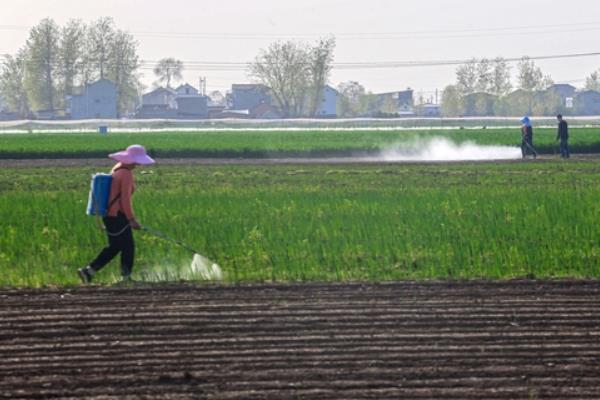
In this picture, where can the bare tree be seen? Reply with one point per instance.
(500, 82)
(122, 70)
(42, 65)
(168, 69)
(296, 73)
(466, 77)
(452, 105)
(592, 82)
(12, 84)
(532, 80)
(350, 102)
(321, 57)
(101, 35)
(388, 106)
(217, 98)
(484, 76)
(531, 77)
(283, 68)
(72, 43)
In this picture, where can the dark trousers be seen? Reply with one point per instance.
(527, 147)
(564, 149)
(120, 240)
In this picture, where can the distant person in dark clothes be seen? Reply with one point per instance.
(562, 134)
(527, 138)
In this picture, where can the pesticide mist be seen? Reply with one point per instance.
(442, 149)
(205, 268)
(200, 269)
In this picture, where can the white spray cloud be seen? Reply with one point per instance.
(442, 149)
(205, 269)
(201, 268)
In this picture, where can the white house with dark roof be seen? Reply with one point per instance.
(184, 102)
(587, 102)
(192, 106)
(96, 100)
(400, 102)
(186, 90)
(564, 90)
(428, 110)
(328, 105)
(247, 96)
(160, 97)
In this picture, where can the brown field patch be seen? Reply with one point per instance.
(493, 340)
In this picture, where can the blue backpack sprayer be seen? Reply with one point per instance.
(99, 195)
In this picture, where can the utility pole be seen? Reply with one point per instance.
(202, 86)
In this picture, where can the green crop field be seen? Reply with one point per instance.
(270, 143)
(316, 223)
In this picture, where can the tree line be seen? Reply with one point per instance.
(56, 60)
(483, 88)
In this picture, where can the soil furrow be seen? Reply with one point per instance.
(474, 339)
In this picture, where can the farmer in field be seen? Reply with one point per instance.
(562, 134)
(527, 138)
(120, 219)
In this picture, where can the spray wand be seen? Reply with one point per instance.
(168, 238)
(200, 264)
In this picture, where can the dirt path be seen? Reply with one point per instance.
(493, 340)
(100, 162)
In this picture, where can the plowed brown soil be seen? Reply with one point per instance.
(450, 340)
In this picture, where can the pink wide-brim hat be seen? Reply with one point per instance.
(134, 154)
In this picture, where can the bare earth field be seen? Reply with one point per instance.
(476, 339)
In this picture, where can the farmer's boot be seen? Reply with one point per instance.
(126, 274)
(86, 274)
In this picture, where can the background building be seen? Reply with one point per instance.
(328, 106)
(97, 100)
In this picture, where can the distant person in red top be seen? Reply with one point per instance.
(120, 219)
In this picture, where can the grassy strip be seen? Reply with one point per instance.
(317, 223)
(268, 144)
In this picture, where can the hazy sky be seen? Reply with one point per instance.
(366, 31)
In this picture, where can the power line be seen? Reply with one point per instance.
(403, 64)
(242, 66)
(423, 34)
(358, 36)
